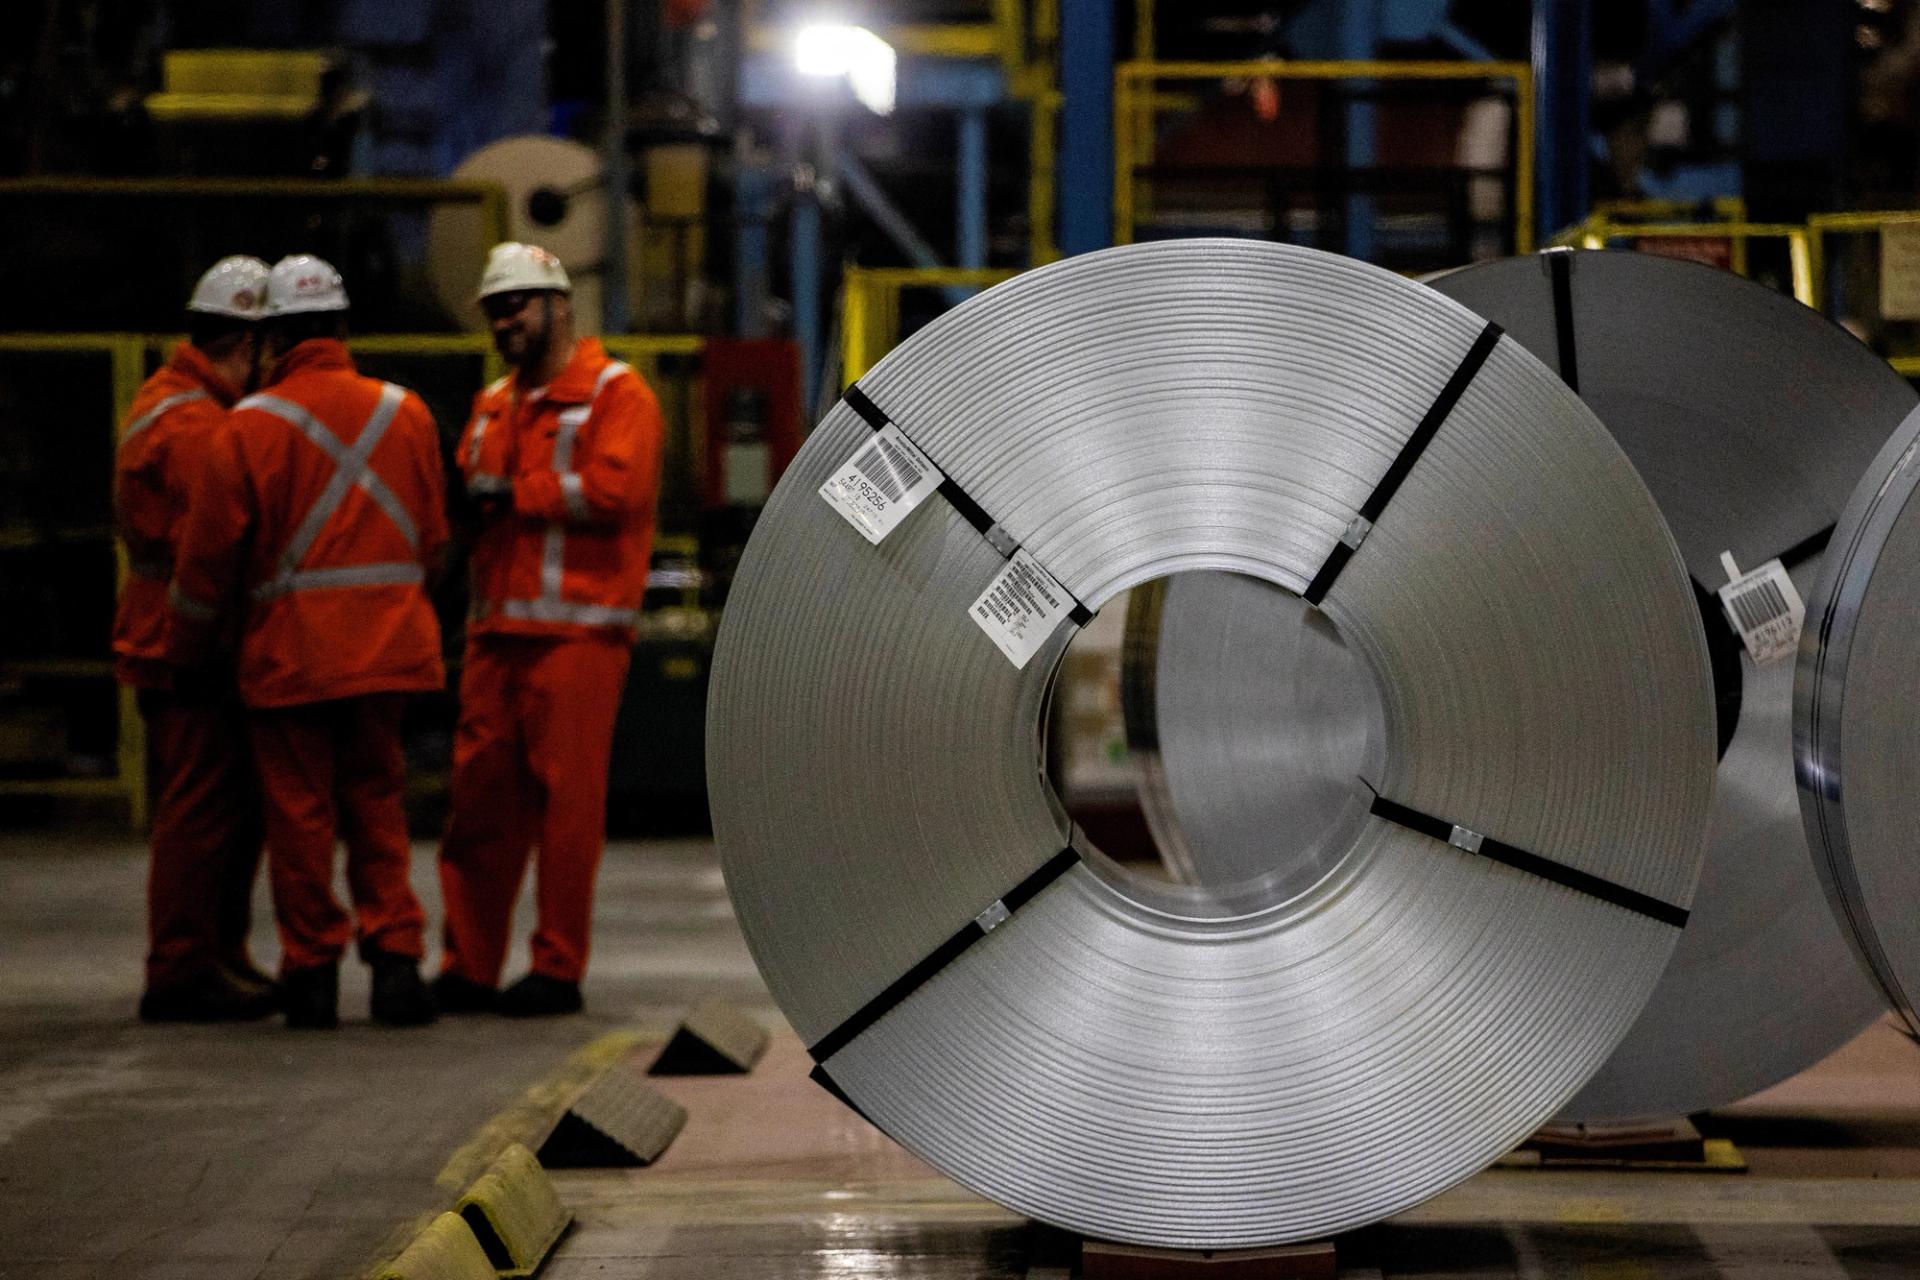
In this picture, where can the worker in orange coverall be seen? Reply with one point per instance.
(323, 504)
(205, 838)
(562, 458)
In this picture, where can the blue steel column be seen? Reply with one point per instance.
(1086, 125)
(803, 263)
(752, 196)
(1360, 41)
(1562, 78)
(970, 212)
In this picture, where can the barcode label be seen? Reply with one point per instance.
(1765, 609)
(886, 478)
(1021, 607)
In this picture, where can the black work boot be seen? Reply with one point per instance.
(400, 998)
(538, 996)
(241, 968)
(214, 996)
(311, 997)
(455, 994)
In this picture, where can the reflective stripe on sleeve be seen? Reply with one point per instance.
(188, 607)
(573, 487)
(589, 615)
(153, 415)
(353, 575)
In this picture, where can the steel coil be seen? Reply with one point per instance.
(1749, 416)
(1856, 735)
(1156, 1068)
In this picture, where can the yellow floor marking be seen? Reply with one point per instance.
(528, 1120)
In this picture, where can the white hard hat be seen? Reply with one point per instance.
(235, 286)
(513, 266)
(301, 283)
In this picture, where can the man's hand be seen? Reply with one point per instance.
(492, 496)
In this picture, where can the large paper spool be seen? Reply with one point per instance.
(556, 198)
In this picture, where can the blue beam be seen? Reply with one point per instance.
(1562, 80)
(1086, 125)
(1360, 28)
(769, 80)
(1673, 29)
(970, 202)
(803, 264)
(752, 253)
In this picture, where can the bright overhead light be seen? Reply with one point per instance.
(835, 49)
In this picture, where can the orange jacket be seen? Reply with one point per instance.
(162, 452)
(323, 503)
(581, 460)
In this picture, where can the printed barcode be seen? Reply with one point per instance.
(1759, 604)
(874, 468)
(909, 474)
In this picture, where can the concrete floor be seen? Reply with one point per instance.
(249, 1151)
(132, 1151)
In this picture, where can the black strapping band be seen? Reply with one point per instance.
(1396, 474)
(942, 956)
(857, 401)
(1560, 267)
(959, 499)
(1532, 863)
(820, 1077)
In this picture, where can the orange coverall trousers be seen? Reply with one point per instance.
(337, 770)
(206, 835)
(529, 766)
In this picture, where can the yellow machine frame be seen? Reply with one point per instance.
(1821, 225)
(1135, 103)
(870, 307)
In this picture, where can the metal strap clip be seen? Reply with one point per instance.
(1357, 530)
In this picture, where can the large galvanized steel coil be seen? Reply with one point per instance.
(1750, 417)
(1857, 720)
(1163, 1069)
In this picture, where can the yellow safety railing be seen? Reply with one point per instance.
(1622, 211)
(125, 356)
(1822, 225)
(129, 357)
(870, 308)
(1599, 232)
(1136, 103)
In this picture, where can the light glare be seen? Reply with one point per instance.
(835, 49)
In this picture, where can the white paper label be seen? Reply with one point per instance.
(1021, 607)
(1767, 612)
(884, 480)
